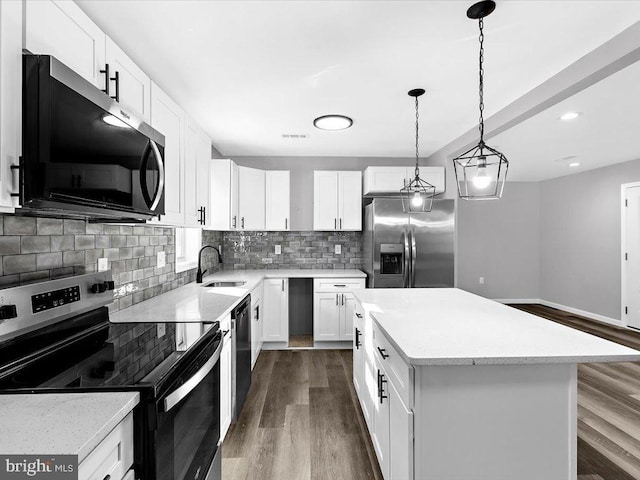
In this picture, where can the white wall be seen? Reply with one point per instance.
(580, 239)
(499, 240)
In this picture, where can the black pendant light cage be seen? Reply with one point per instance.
(417, 195)
(481, 171)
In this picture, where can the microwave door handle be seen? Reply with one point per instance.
(187, 387)
(143, 175)
(160, 184)
(414, 255)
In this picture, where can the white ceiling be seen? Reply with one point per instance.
(251, 71)
(606, 133)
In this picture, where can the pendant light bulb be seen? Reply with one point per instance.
(482, 179)
(416, 200)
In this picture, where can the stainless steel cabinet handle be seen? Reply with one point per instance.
(283, 284)
(357, 338)
(286, 223)
(340, 224)
(187, 387)
(382, 392)
(342, 299)
(382, 353)
(107, 78)
(337, 301)
(335, 223)
(339, 285)
(117, 80)
(234, 222)
(242, 224)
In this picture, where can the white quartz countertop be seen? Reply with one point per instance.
(449, 326)
(61, 423)
(197, 303)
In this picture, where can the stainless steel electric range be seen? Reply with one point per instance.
(56, 336)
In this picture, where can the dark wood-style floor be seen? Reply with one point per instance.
(608, 404)
(301, 420)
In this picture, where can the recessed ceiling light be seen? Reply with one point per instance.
(332, 122)
(114, 121)
(570, 115)
(574, 164)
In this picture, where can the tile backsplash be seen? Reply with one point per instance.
(37, 249)
(306, 250)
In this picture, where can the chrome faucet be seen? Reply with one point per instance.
(200, 273)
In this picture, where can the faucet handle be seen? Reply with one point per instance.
(205, 271)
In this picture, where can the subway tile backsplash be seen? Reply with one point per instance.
(37, 249)
(306, 250)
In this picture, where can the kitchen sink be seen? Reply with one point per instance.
(224, 284)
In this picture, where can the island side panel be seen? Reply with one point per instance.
(497, 422)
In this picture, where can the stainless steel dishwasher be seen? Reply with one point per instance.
(240, 354)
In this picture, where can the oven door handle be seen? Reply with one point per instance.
(187, 387)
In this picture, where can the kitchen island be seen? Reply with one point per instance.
(457, 387)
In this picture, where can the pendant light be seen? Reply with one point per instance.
(481, 171)
(417, 195)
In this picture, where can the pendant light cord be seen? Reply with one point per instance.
(417, 170)
(481, 82)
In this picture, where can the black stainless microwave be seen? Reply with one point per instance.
(83, 155)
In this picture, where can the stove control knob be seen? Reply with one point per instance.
(8, 311)
(98, 288)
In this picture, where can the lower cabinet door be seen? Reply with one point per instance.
(400, 437)
(381, 432)
(326, 316)
(275, 303)
(346, 323)
(225, 387)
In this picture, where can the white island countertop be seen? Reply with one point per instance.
(61, 423)
(449, 326)
(195, 302)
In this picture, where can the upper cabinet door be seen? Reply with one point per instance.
(350, 200)
(325, 200)
(191, 216)
(384, 179)
(251, 198)
(202, 179)
(132, 84)
(277, 209)
(60, 28)
(10, 101)
(168, 118)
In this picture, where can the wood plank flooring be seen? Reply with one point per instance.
(608, 404)
(301, 420)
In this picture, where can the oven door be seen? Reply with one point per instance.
(188, 429)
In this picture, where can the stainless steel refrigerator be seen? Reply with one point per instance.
(403, 250)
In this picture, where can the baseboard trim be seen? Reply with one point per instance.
(584, 313)
(517, 300)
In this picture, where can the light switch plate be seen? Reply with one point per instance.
(103, 264)
(162, 259)
(162, 329)
(338, 249)
(278, 249)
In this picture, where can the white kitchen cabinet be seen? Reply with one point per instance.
(256, 323)
(333, 304)
(133, 85)
(113, 457)
(277, 200)
(251, 191)
(400, 435)
(225, 378)
(191, 214)
(380, 435)
(337, 200)
(203, 200)
(10, 101)
(223, 185)
(60, 28)
(168, 118)
(275, 301)
(392, 179)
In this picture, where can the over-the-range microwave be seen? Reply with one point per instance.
(83, 154)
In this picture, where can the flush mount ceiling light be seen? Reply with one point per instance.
(570, 116)
(417, 195)
(333, 122)
(114, 121)
(481, 171)
(574, 164)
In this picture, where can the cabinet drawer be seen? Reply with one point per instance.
(398, 371)
(114, 455)
(337, 284)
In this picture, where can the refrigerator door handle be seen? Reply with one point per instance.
(407, 265)
(414, 255)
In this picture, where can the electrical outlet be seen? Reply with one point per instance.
(162, 329)
(103, 264)
(338, 249)
(481, 280)
(278, 249)
(162, 259)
